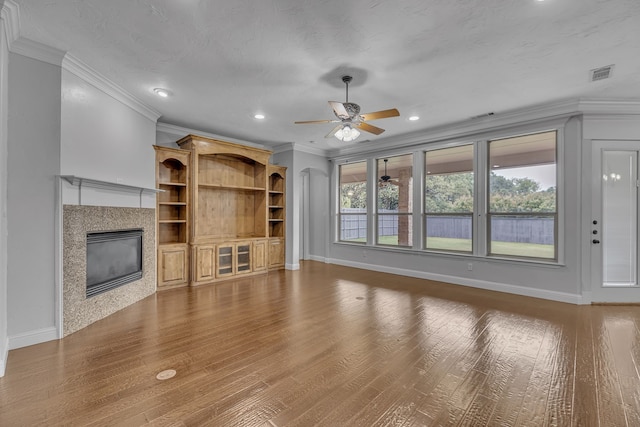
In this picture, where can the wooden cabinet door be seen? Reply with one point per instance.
(259, 255)
(276, 253)
(205, 262)
(173, 267)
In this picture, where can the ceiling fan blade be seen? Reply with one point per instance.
(307, 122)
(380, 114)
(339, 109)
(333, 132)
(369, 128)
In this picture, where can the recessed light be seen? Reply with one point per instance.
(259, 116)
(414, 118)
(161, 92)
(496, 166)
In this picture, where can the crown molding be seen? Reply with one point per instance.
(609, 107)
(10, 15)
(310, 150)
(179, 132)
(91, 76)
(36, 50)
(296, 146)
(284, 147)
(532, 114)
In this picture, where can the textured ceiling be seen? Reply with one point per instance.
(444, 60)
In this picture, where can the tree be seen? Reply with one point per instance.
(448, 193)
(353, 195)
(453, 193)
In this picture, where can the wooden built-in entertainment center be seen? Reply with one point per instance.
(221, 214)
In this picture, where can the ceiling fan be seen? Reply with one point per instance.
(386, 179)
(350, 119)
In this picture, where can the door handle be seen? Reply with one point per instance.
(595, 242)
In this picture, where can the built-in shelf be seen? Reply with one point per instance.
(177, 184)
(173, 203)
(231, 187)
(172, 221)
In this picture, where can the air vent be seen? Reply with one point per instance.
(600, 73)
(482, 116)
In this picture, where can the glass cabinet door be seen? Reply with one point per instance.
(243, 256)
(225, 261)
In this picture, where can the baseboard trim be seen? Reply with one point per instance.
(295, 266)
(3, 357)
(32, 337)
(463, 281)
(318, 258)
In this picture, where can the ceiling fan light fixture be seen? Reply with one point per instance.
(347, 133)
(161, 92)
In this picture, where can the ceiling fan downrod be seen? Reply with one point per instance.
(347, 80)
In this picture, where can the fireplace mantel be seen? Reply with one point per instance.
(106, 185)
(81, 182)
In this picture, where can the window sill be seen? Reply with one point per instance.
(452, 255)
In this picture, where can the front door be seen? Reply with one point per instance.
(614, 222)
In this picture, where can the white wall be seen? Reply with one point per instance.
(315, 166)
(33, 163)
(319, 235)
(561, 282)
(4, 99)
(104, 139)
(58, 124)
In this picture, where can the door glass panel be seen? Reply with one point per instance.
(244, 257)
(619, 218)
(225, 261)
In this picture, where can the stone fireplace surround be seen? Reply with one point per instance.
(78, 311)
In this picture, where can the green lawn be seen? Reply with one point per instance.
(383, 240)
(532, 250)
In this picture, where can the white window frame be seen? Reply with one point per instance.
(480, 224)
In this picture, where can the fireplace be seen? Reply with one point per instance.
(82, 223)
(114, 258)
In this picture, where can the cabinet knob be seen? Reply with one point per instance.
(595, 242)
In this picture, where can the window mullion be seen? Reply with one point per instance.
(418, 199)
(480, 208)
(372, 205)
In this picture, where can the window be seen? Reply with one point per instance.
(488, 198)
(395, 189)
(448, 199)
(522, 201)
(352, 217)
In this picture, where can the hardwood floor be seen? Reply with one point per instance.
(335, 346)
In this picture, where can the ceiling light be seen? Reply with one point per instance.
(414, 118)
(161, 92)
(259, 116)
(347, 133)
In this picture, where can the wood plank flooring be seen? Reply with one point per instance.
(335, 346)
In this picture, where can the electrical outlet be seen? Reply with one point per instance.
(470, 266)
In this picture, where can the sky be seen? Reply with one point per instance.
(545, 175)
